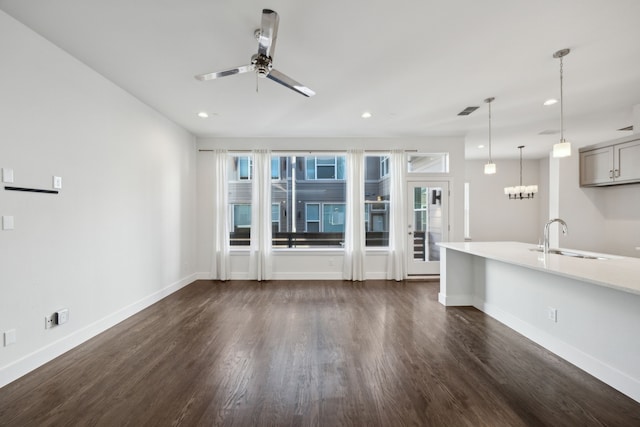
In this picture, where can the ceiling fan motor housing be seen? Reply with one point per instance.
(263, 65)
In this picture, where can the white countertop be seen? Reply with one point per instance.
(622, 273)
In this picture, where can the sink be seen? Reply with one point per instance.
(567, 253)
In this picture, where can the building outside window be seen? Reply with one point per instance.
(325, 167)
(244, 167)
(384, 166)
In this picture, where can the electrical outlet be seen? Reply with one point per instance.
(49, 321)
(552, 314)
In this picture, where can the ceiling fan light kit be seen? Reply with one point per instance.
(262, 62)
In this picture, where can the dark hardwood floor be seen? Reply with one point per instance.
(327, 353)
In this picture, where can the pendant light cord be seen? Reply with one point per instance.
(490, 161)
(561, 105)
(520, 147)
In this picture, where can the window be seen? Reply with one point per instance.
(240, 173)
(376, 203)
(275, 167)
(325, 167)
(275, 217)
(311, 193)
(333, 217)
(312, 216)
(428, 163)
(467, 231)
(245, 168)
(240, 217)
(384, 166)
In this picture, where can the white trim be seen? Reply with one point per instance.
(604, 372)
(39, 357)
(455, 300)
(296, 275)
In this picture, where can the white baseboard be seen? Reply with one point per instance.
(31, 361)
(454, 300)
(604, 372)
(298, 276)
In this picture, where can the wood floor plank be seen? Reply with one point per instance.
(312, 353)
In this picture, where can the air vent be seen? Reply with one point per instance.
(467, 111)
(549, 132)
(627, 128)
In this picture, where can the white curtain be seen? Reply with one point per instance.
(220, 265)
(354, 231)
(397, 263)
(260, 253)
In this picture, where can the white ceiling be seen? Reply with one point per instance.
(414, 64)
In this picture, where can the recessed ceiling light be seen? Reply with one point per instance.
(480, 146)
(203, 114)
(550, 101)
(366, 115)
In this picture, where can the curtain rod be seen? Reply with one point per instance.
(310, 151)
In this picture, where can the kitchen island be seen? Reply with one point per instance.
(586, 310)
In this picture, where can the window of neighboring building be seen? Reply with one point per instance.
(240, 217)
(245, 167)
(325, 167)
(384, 166)
(275, 167)
(333, 217)
(312, 217)
(275, 217)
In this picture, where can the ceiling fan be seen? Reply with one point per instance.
(262, 62)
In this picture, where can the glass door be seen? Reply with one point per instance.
(428, 225)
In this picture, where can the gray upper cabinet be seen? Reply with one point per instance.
(617, 162)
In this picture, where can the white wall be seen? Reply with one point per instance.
(121, 233)
(492, 216)
(600, 219)
(319, 264)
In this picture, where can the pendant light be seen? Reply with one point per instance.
(490, 167)
(521, 191)
(562, 148)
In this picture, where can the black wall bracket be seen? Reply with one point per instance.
(31, 190)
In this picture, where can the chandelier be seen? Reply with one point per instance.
(521, 191)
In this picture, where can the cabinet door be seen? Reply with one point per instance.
(627, 165)
(596, 166)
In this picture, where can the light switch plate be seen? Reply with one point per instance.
(57, 182)
(10, 337)
(7, 175)
(62, 316)
(7, 222)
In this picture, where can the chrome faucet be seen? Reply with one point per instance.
(546, 232)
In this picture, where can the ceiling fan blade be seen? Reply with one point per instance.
(229, 72)
(287, 81)
(268, 33)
